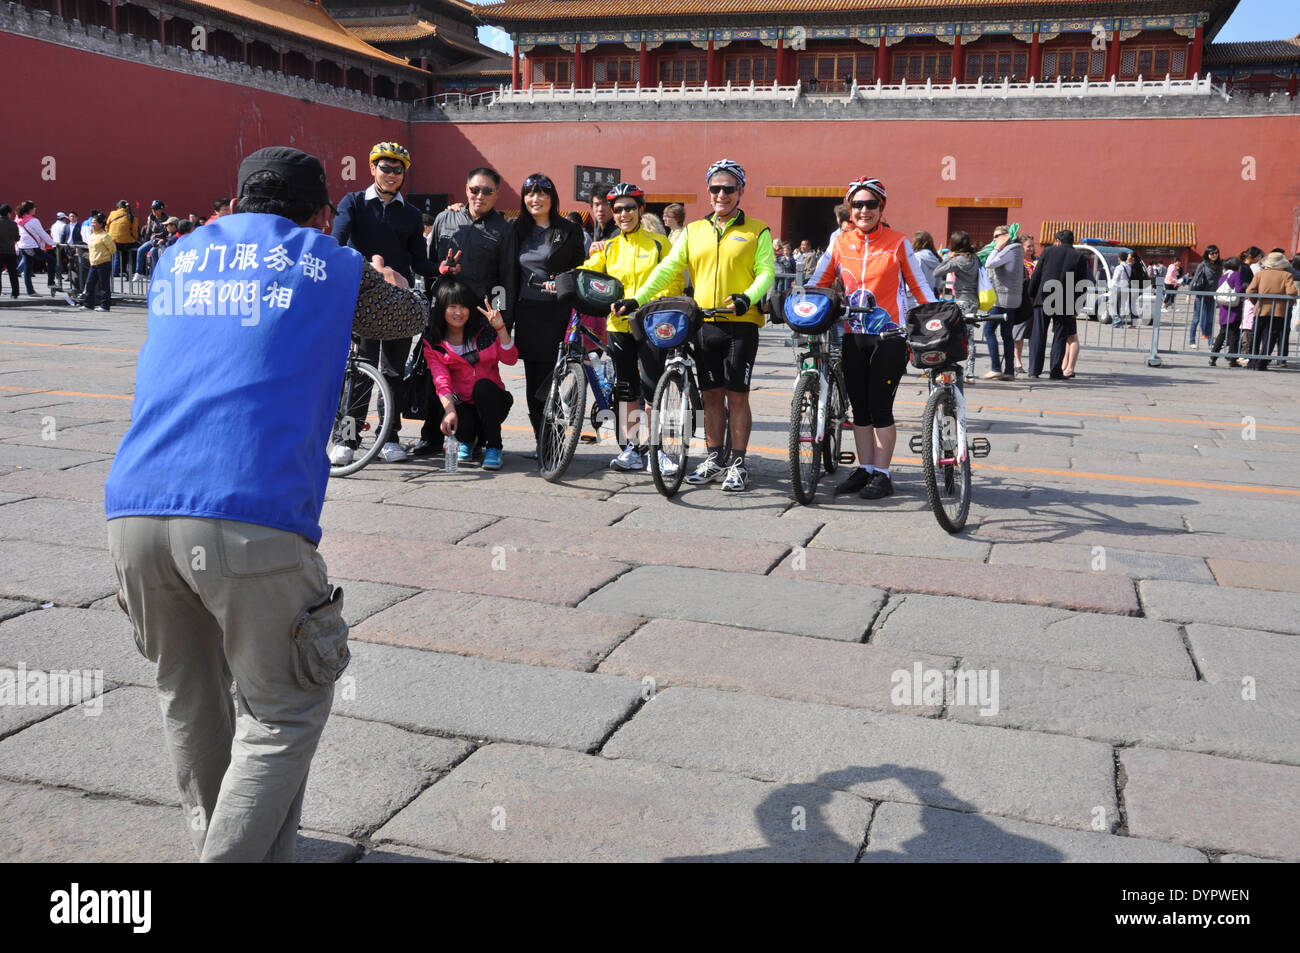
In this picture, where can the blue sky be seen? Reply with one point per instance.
(1252, 20)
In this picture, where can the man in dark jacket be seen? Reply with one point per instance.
(1059, 280)
(378, 221)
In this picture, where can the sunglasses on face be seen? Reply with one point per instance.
(871, 204)
(725, 189)
(391, 169)
(624, 209)
(538, 182)
(482, 190)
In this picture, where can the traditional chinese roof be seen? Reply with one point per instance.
(308, 20)
(486, 66)
(1261, 51)
(389, 31)
(1140, 234)
(522, 10)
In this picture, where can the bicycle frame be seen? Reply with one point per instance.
(578, 340)
(950, 380)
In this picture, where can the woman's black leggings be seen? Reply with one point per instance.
(872, 371)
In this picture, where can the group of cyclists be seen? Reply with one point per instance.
(724, 261)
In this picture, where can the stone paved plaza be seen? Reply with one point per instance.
(590, 672)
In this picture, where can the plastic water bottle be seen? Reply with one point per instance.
(452, 449)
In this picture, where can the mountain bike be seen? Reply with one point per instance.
(943, 443)
(578, 366)
(365, 411)
(671, 324)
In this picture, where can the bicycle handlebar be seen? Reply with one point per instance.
(718, 312)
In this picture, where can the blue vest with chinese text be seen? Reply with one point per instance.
(238, 383)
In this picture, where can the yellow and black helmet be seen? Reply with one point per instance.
(390, 150)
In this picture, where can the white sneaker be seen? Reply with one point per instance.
(667, 466)
(628, 460)
(138, 277)
(707, 472)
(737, 477)
(341, 455)
(393, 452)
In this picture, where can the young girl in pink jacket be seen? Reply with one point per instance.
(465, 343)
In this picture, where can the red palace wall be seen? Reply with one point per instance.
(118, 129)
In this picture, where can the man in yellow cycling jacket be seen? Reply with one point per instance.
(731, 263)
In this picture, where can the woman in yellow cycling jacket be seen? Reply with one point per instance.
(630, 256)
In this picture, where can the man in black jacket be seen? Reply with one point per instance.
(378, 221)
(1059, 280)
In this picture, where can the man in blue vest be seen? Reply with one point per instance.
(215, 495)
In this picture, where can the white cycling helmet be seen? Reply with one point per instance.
(726, 165)
(874, 185)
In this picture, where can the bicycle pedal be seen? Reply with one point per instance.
(848, 457)
(587, 438)
(980, 447)
(915, 444)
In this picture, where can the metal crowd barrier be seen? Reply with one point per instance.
(1270, 339)
(72, 264)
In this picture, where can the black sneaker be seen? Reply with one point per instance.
(855, 482)
(877, 487)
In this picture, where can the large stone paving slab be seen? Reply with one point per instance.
(495, 571)
(768, 663)
(1187, 602)
(1158, 712)
(361, 600)
(1044, 778)
(707, 511)
(55, 521)
(1130, 562)
(1086, 640)
(1213, 803)
(644, 546)
(1091, 592)
(376, 519)
(475, 698)
(77, 639)
(910, 833)
(750, 601)
(10, 608)
(899, 534)
(492, 627)
(45, 458)
(67, 575)
(534, 506)
(1270, 661)
(562, 806)
(58, 484)
(1256, 575)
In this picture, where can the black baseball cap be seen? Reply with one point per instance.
(302, 177)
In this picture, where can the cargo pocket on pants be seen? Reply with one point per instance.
(320, 642)
(140, 644)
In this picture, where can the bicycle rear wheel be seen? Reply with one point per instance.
(835, 414)
(361, 427)
(805, 451)
(672, 421)
(947, 479)
(562, 420)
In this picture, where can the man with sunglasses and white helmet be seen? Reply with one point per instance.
(378, 221)
(731, 264)
(870, 258)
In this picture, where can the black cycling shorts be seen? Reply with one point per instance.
(637, 367)
(725, 353)
(872, 371)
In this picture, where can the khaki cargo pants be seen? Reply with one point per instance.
(215, 602)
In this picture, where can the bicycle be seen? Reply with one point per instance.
(671, 324)
(577, 369)
(819, 407)
(938, 335)
(353, 425)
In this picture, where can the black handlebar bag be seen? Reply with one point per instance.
(937, 334)
(588, 292)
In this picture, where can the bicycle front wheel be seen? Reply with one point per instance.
(805, 451)
(365, 412)
(947, 479)
(671, 422)
(562, 420)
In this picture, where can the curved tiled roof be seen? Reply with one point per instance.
(1141, 234)
(387, 31)
(1261, 51)
(310, 21)
(519, 10)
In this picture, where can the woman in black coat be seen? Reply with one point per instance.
(549, 244)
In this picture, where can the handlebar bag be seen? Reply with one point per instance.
(812, 310)
(668, 322)
(937, 334)
(590, 292)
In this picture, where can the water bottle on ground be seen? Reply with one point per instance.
(452, 449)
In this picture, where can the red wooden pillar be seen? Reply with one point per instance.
(1035, 57)
(246, 50)
(956, 57)
(372, 82)
(1198, 48)
(1112, 61)
(780, 61)
(282, 60)
(1291, 86)
(711, 66)
(577, 64)
(162, 26)
(113, 21)
(882, 62)
(314, 61)
(643, 67)
(526, 67)
(514, 67)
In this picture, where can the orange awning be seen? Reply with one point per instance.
(668, 198)
(1141, 234)
(806, 191)
(978, 202)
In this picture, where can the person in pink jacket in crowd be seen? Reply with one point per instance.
(464, 344)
